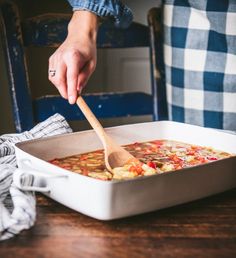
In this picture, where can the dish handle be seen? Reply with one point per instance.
(30, 179)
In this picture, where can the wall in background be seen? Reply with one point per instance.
(39, 58)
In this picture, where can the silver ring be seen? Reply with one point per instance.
(52, 73)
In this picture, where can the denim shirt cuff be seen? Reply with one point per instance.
(122, 14)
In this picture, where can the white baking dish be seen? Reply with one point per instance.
(108, 200)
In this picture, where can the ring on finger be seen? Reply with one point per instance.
(52, 72)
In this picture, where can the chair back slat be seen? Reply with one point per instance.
(48, 30)
(51, 29)
(104, 105)
(136, 35)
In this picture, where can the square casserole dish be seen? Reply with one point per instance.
(107, 200)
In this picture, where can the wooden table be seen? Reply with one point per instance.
(204, 228)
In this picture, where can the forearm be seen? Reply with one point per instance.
(75, 60)
(83, 24)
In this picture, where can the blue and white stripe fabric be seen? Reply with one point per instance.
(17, 208)
(200, 59)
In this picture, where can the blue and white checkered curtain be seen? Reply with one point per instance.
(200, 59)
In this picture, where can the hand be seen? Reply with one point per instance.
(75, 60)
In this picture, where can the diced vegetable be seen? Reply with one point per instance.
(155, 157)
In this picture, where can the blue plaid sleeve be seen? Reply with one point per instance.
(200, 62)
(115, 9)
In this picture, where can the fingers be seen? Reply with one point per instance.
(70, 72)
(66, 67)
(57, 77)
(72, 77)
(84, 75)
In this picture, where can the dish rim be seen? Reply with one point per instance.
(128, 180)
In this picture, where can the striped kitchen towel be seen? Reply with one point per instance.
(17, 208)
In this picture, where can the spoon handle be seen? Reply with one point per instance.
(92, 120)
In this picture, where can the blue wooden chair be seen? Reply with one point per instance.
(50, 30)
(155, 23)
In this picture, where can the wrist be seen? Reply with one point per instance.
(83, 23)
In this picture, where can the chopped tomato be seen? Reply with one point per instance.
(137, 169)
(55, 162)
(212, 158)
(178, 166)
(83, 157)
(151, 164)
(158, 142)
(65, 166)
(154, 149)
(191, 152)
(175, 158)
(201, 159)
(132, 168)
(85, 171)
(196, 148)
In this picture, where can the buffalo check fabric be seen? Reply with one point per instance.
(17, 208)
(200, 62)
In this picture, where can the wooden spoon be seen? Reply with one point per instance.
(115, 155)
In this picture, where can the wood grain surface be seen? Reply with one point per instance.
(204, 228)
